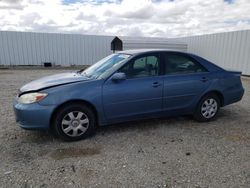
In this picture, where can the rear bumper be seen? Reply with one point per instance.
(33, 116)
(233, 96)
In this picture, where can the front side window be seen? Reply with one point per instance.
(142, 67)
(180, 64)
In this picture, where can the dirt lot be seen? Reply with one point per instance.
(173, 152)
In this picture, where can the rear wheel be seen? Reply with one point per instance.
(74, 122)
(207, 108)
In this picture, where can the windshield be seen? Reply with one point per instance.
(104, 66)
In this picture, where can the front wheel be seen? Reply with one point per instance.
(207, 108)
(74, 122)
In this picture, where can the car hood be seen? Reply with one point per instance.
(53, 80)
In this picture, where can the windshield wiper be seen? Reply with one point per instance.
(80, 71)
(85, 74)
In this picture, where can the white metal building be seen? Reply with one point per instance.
(230, 50)
(26, 48)
(126, 43)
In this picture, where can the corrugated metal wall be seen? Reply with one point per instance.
(152, 43)
(229, 50)
(25, 48)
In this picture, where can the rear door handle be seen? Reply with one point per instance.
(204, 79)
(156, 84)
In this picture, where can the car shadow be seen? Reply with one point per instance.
(143, 125)
(185, 121)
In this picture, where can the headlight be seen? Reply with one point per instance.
(31, 97)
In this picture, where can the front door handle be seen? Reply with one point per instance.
(156, 84)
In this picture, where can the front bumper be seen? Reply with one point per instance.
(33, 116)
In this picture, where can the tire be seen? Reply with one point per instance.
(74, 122)
(207, 108)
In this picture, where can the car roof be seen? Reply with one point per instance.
(140, 51)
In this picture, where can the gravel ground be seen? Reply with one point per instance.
(172, 152)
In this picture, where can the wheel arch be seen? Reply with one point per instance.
(216, 92)
(77, 101)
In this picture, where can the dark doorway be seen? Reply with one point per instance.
(116, 44)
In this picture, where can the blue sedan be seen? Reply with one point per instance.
(125, 86)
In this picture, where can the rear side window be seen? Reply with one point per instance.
(181, 64)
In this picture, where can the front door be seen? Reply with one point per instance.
(139, 94)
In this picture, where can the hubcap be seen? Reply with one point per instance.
(75, 123)
(209, 108)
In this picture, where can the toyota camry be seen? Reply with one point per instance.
(126, 86)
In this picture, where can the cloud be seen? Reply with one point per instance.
(161, 18)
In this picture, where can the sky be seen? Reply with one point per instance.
(149, 18)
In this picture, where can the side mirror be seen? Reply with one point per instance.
(119, 76)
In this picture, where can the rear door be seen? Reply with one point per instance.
(185, 80)
(140, 94)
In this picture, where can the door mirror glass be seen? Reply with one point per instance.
(119, 76)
